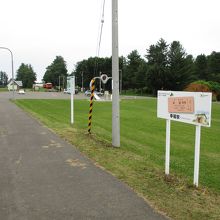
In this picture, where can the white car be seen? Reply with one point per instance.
(21, 92)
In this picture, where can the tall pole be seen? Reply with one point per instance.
(100, 81)
(115, 77)
(12, 68)
(63, 82)
(82, 82)
(59, 83)
(121, 82)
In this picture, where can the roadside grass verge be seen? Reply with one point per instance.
(139, 161)
(5, 89)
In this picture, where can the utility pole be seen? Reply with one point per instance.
(100, 81)
(121, 82)
(63, 82)
(115, 77)
(59, 83)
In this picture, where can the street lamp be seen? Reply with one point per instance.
(12, 68)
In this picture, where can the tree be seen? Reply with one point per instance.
(55, 71)
(157, 77)
(92, 67)
(214, 66)
(180, 68)
(201, 67)
(26, 74)
(3, 78)
(134, 71)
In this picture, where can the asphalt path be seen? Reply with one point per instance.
(42, 177)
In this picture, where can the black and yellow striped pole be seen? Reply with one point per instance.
(92, 86)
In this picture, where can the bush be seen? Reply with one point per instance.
(198, 87)
(205, 86)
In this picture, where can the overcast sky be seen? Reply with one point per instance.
(39, 30)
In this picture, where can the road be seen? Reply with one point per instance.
(42, 177)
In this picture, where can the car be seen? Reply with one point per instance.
(65, 91)
(99, 93)
(21, 91)
(87, 92)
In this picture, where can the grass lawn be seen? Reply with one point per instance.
(4, 89)
(139, 161)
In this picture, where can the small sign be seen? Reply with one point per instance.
(181, 104)
(70, 84)
(188, 107)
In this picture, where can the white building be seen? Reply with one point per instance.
(17, 85)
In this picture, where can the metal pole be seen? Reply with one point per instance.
(197, 156)
(59, 83)
(72, 80)
(167, 159)
(82, 81)
(115, 77)
(121, 82)
(63, 82)
(12, 68)
(100, 81)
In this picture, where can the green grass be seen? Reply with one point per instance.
(140, 160)
(5, 89)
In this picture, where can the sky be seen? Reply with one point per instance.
(39, 30)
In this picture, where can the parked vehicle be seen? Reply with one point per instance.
(48, 85)
(21, 92)
(65, 91)
(99, 93)
(88, 93)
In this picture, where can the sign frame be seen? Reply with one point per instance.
(188, 107)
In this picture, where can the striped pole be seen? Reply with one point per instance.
(92, 86)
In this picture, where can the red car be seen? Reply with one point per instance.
(48, 85)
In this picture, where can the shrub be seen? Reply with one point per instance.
(205, 86)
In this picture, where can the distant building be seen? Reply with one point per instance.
(37, 86)
(17, 85)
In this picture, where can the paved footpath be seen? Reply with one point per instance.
(42, 177)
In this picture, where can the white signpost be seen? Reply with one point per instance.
(188, 107)
(71, 88)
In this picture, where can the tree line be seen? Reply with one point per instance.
(3, 79)
(164, 66)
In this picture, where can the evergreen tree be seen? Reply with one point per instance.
(3, 78)
(201, 67)
(180, 69)
(26, 74)
(214, 66)
(134, 71)
(55, 71)
(157, 77)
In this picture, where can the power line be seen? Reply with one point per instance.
(101, 28)
(99, 37)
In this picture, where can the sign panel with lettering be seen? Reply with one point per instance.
(70, 84)
(189, 107)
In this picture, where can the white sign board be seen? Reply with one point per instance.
(189, 107)
(70, 84)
